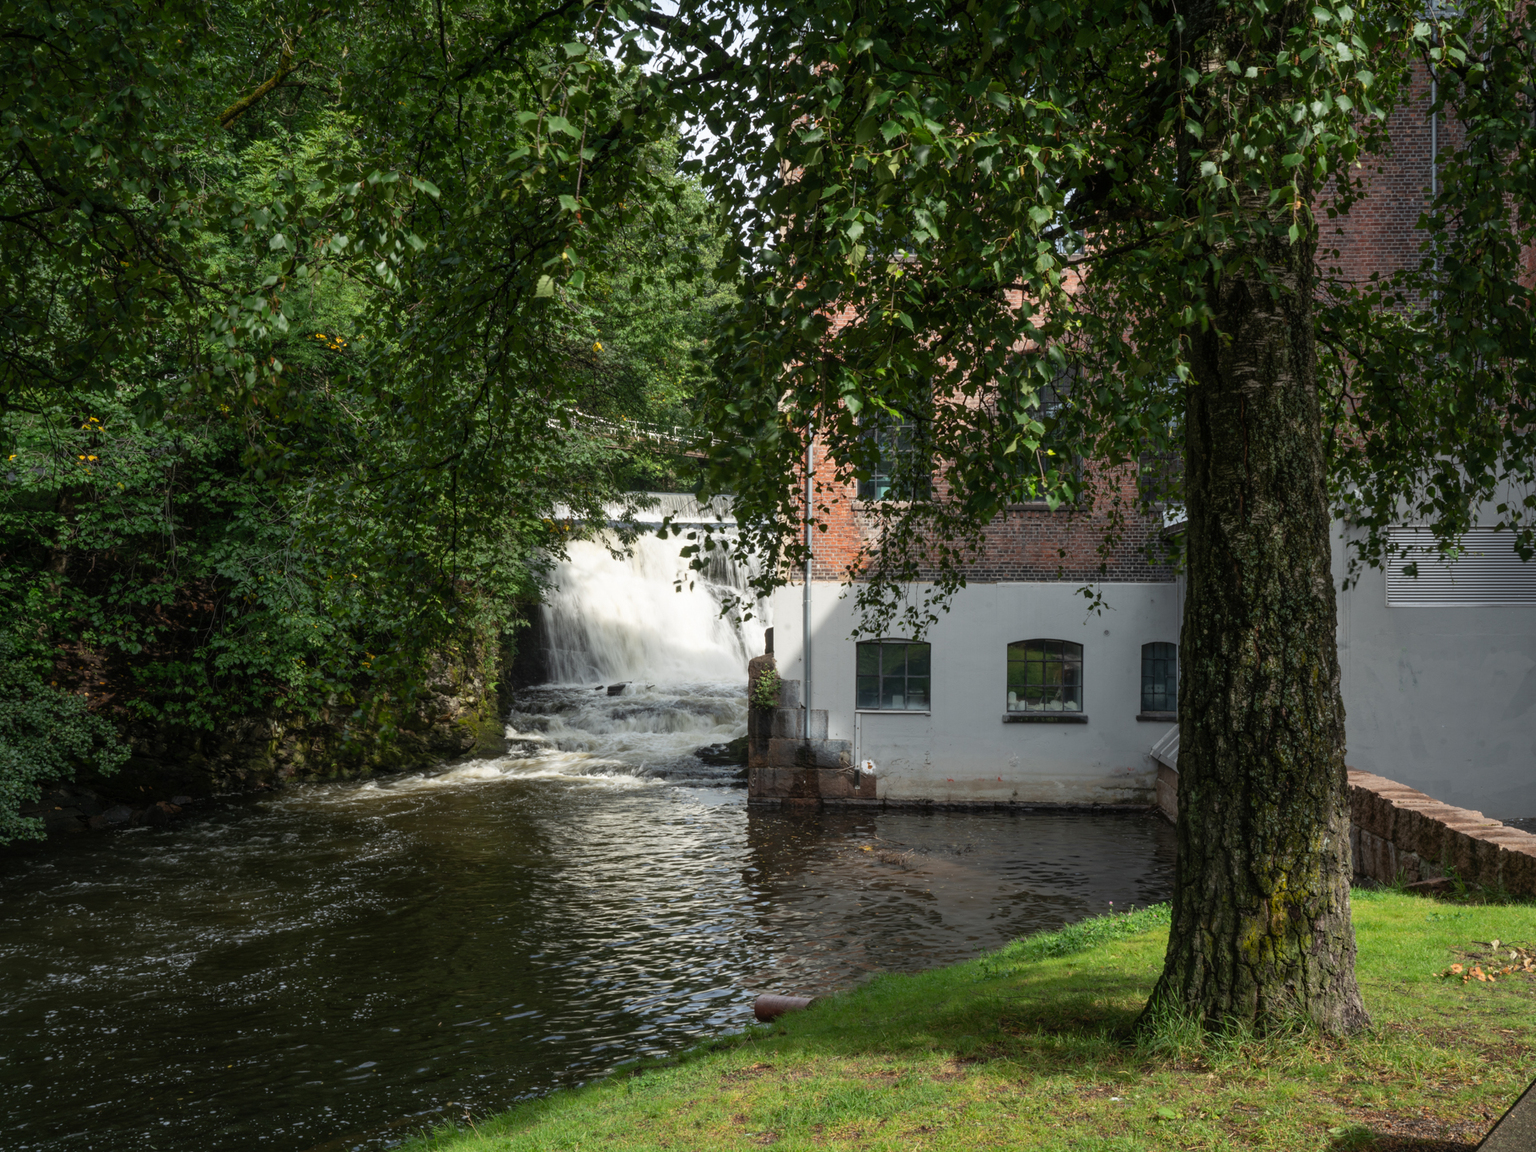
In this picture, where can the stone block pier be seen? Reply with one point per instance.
(789, 757)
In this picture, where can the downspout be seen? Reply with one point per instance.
(810, 465)
(1434, 139)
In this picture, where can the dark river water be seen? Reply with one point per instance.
(338, 966)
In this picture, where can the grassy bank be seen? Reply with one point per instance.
(1028, 1048)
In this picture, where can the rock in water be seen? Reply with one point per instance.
(724, 755)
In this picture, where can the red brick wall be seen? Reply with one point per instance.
(1380, 235)
(1028, 542)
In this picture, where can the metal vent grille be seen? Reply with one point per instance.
(1487, 572)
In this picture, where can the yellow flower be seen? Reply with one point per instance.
(597, 345)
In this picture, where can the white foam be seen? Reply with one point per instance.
(645, 617)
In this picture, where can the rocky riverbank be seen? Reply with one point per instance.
(174, 770)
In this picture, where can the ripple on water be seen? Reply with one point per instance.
(334, 964)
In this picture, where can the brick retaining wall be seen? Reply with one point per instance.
(1397, 831)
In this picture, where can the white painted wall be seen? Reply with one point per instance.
(1441, 699)
(962, 750)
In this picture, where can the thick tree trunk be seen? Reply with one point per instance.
(1261, 921)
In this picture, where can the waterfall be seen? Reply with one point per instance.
(611, 619)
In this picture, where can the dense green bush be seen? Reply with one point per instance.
(44, 734)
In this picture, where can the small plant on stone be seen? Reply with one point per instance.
(765, 690)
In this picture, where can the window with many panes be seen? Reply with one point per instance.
(1050, 404)
(1045, 676)
(893, 675)
(902, 468)
(1160, 677)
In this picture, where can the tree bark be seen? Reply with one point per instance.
(1261, 930)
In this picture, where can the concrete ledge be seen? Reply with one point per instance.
(809, 784)
(964, 805)
(1168, 792)
(1044, 718)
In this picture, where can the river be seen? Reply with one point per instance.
(339, 965)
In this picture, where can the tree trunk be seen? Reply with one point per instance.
(1261, 920)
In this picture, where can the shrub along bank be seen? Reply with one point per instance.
(1029, 1047)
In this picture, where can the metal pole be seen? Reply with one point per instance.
(810, 466)
(1434, 144)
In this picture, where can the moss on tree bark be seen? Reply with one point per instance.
(1261, 929)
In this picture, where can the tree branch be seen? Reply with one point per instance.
(285, 65)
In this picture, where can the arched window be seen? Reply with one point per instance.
(1160, 677)
(893, 675)
(1045, 676)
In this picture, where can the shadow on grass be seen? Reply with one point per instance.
(1088, 1016)
(1363, 1140)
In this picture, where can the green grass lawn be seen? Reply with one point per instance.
(1030, 1047)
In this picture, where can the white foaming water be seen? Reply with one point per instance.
(651, 732)
(610, 620)
(682, 663)
(682, 660)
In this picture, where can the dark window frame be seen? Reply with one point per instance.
(903, 459)
(1156, 657)
(1051, 397)
(875, 683)
(1040, 657)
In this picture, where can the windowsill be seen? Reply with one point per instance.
(1039, 506)
(894, 711)
(1159, 717)
(1045, 718)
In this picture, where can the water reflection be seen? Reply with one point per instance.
(337, 964)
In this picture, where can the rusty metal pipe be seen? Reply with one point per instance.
(768, 1007)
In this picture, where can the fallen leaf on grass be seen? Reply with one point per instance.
(1486, 967)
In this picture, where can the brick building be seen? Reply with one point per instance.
(1022, 695)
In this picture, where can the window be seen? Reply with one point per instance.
(1160, 677)
(902, 470)
(893, 676)
(1045, 676)
(1051, 404)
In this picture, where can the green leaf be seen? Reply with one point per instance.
(544, 287)
(569, 203)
